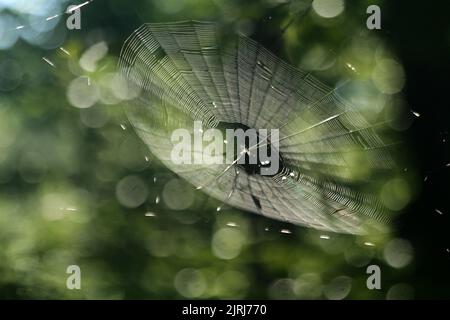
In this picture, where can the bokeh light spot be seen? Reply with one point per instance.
(178, 195)
(338, 288)
(328, 8)
(131, 191)
(190, 283)
(388, 76)
(227, 243)
(398, 253)
(400, 291)
(82, 93)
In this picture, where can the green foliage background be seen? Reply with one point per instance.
(58, 176)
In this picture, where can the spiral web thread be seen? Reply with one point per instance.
(322, 137)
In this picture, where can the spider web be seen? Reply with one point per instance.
(188, 71)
